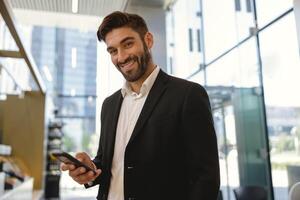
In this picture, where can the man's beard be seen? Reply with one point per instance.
(142, 62)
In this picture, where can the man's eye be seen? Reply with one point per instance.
(129, 44)
(112, 52)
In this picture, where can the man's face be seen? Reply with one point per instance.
(129, 53)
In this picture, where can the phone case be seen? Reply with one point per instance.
(68, 159)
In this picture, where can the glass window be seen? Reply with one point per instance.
(198, 78)
(6, 40)
(281, 70)
(225, 128)
(236, 98)
(191, 39)
(238, 68)
(248, 5)
(79, 135)
(15, 76)
(182, 25)
(67, 58)
(224, 26)
(267, 10)
(199, 40)
(76, 106)
(237, 4)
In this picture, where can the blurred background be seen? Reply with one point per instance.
(54, 76)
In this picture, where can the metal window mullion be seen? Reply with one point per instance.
(268, 160)
(202, 39)
(241, 42)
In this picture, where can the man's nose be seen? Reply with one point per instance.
(122, 56)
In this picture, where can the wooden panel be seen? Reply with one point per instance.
(1, 119)
(23, 129)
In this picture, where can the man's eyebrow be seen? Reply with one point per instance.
(126, 39)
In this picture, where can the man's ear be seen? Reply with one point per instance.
(149, 40)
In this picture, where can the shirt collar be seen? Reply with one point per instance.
(146, 86)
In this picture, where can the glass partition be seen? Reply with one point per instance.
(281, 71)
(17, 69)
(237, 102)
(15, 76)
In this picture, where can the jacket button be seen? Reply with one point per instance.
(129, 167)
(131, 198)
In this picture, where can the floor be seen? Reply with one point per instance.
(79, 194)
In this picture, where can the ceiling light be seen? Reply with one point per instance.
(73, 92)
(75, 6)
(3, 97)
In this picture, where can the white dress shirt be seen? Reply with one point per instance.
(130, 110)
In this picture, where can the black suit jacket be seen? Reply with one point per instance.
(172, 153)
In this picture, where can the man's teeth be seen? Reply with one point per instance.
(128, 63)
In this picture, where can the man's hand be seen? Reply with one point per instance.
(80, 174)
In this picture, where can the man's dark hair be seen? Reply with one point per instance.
(119, 19)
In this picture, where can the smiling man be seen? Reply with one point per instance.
(157, 137)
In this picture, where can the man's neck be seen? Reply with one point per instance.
(136, 86)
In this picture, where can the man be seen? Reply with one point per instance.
(157, 136)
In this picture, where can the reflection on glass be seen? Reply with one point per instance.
(225, 129)
(225, 25)
(268, 10)
(235, 93)
(6, 40)
(281, 70)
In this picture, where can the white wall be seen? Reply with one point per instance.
(156, 21)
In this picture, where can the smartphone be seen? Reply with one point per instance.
(68, 159)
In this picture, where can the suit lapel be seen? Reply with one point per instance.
(154, 95)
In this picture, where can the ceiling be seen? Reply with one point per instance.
(90, 12)
(85, 7)
(150, 3)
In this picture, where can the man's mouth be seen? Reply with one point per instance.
(128, 65)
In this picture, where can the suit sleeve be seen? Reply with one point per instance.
(98, 159)
(200, 145)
